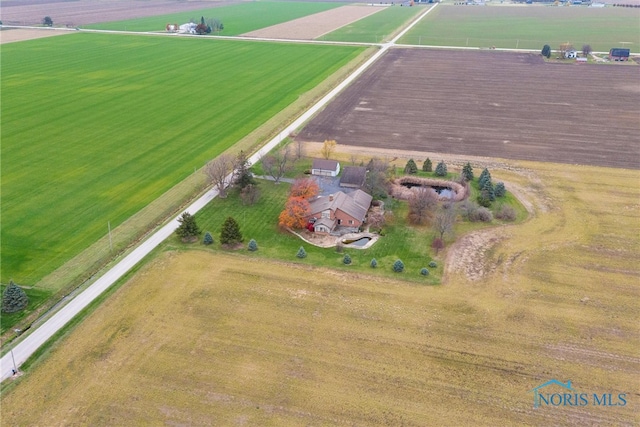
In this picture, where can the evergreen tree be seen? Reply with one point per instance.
(411, 168)
(208, 239)
(188, 229)
(485, 175)
(347, 259)
(253, 245)
(243, 176)
(546, 51)
(374, 263)
(467, 172)
(427, 166)
(230, 233)
(301, 253)
(499, 190)
(14, 298)
(487, 193)
(398, 266)
(441, 169)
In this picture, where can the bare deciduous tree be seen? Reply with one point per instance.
(586, 50)
(377, 179)
(250, 194)
(328, 148)
(218, 171)
(444, 220)
(422, 205)
(564, 49)
(277, 164)
(299, 149)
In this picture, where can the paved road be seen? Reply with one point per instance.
(31, 342)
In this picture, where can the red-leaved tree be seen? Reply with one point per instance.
(305, 188)
(295, 213)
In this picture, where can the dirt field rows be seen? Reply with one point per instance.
(82, 12)
(314, 26)
(494, 104)
(19, 34)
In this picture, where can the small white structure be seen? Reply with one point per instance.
(188, 28)
(322, 167)
(571, 54)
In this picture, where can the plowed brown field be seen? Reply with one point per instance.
(497, 104)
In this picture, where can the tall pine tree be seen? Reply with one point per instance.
(427, 166)
(230, 233)
(467, 172)
(411, 168)
(441, 169)
(14, 298)
(188, 229)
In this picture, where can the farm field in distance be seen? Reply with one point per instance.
(83, 12)
(237, 18)
(376, 28)
(112, 122)
(507, 105)
(231, 339)
(528, 27)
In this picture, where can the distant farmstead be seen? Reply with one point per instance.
(619, 54)
(322, 167)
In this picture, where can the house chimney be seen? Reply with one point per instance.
(331, 197)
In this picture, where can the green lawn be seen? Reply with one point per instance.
(402, 241)
(237, 19)
(36, 296)
(95, 127)
(260, 222)
(528, 27)
(375, 28)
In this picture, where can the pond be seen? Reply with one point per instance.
(357, 242)
(445, 192)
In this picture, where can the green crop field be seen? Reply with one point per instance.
(237, 19)
(528, 27)
(95, 127)
(376, 28)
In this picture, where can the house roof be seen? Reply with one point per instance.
(355, 204)
(329, 223)
(619, 51)
(353, 176)
(329, 165)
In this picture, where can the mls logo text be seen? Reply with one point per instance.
(564, 395)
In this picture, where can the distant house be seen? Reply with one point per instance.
(619, 54)
(322, 167)
(188, 28)
(571, 54)
(345, 210)
(353, 176)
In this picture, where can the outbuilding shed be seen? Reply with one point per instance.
(322, 167)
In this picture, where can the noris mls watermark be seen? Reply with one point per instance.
(556, 393)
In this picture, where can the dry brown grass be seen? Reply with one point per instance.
(202, 339)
